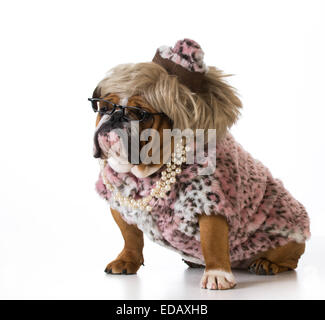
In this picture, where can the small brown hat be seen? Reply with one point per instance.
(185, 61)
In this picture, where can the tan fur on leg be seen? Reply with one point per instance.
(131, 258)
(215, 248)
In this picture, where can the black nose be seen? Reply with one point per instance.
(118, 115)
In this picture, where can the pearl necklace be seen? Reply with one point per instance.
(163, 185)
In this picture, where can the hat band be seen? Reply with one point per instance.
(192, 79)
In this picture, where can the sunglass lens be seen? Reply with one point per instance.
(106, 107)
(134, 114)
(95, 105)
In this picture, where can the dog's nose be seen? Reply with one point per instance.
(118, 115)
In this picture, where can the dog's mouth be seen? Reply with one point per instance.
(113, 140)
(119, 142)
(109, 144)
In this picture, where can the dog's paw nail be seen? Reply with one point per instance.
(108, 270)
(261, 270)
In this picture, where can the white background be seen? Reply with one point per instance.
(56, 234)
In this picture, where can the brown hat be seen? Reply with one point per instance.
(185, 61)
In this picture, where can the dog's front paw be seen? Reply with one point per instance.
(217, 279)
(119, 266)
(126, 263)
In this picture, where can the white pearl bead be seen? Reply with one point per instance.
(159, 191)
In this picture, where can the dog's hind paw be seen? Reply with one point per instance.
(192, 264)
(264, 267)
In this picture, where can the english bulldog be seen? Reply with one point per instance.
(231, 214)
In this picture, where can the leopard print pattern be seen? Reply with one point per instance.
(186, 53)
(260, 212)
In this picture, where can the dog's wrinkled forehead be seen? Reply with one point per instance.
(123, 101)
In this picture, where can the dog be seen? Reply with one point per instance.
(237, 216)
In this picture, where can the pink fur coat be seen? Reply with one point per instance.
(260, 212)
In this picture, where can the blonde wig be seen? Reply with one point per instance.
(216, 107)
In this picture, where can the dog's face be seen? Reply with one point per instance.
(149, 88)
(116, 129)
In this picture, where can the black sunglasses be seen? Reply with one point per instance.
(130, 113)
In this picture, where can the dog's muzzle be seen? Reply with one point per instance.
(111, 136)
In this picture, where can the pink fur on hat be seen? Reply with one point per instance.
(185, 61)
(186, 53)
